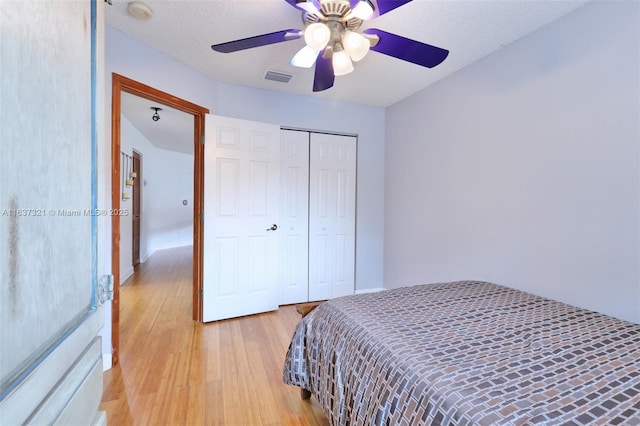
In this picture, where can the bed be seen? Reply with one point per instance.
(465, 353)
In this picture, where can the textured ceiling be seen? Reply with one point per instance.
(470, 30)
(186, 29)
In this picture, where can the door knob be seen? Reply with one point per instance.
(273, 227)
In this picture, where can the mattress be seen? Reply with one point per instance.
(466, 353)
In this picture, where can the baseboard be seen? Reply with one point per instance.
(100, 419)
(369, 290)
(125, 275)
(107, 362)
(146, 257)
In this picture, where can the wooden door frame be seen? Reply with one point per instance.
(123, 84)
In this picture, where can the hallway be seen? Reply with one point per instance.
(174, 371)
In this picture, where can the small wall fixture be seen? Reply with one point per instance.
(156, 116)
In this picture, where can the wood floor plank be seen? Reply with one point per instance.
(174, 371)
(214, 415)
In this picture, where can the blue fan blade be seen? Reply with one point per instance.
(257, 41)
(323, 78)
(385, 6)
(294, 3)
(407, 49)
(382, 7)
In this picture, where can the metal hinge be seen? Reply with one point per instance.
(202, 217)
(105, 288)
(202, 139)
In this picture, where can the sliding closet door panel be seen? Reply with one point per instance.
(332, 186)
(241, 257)
(294, 213)
(345, 219)
(323, 194)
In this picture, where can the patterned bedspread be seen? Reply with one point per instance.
(466, 353)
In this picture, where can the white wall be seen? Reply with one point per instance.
(167, 180)
(523, 168)
(130, 58)
(168, 177)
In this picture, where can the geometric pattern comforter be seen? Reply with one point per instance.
(466, 353)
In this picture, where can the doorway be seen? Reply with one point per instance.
(123, 84)
(135, 210)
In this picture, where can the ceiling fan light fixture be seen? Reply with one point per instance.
(356, 45)
(333, 40)
(317, 35)
(363, 10)
(305, 58)
(342, 64)
(156, 116)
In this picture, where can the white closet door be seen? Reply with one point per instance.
(294, 213)
(241, 202)
(332, 202)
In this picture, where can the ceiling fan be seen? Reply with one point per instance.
(333, 43)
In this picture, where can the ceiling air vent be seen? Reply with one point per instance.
(280, 77)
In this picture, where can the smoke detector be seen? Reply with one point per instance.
(139, 10)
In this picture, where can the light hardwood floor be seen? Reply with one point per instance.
(174, 371)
